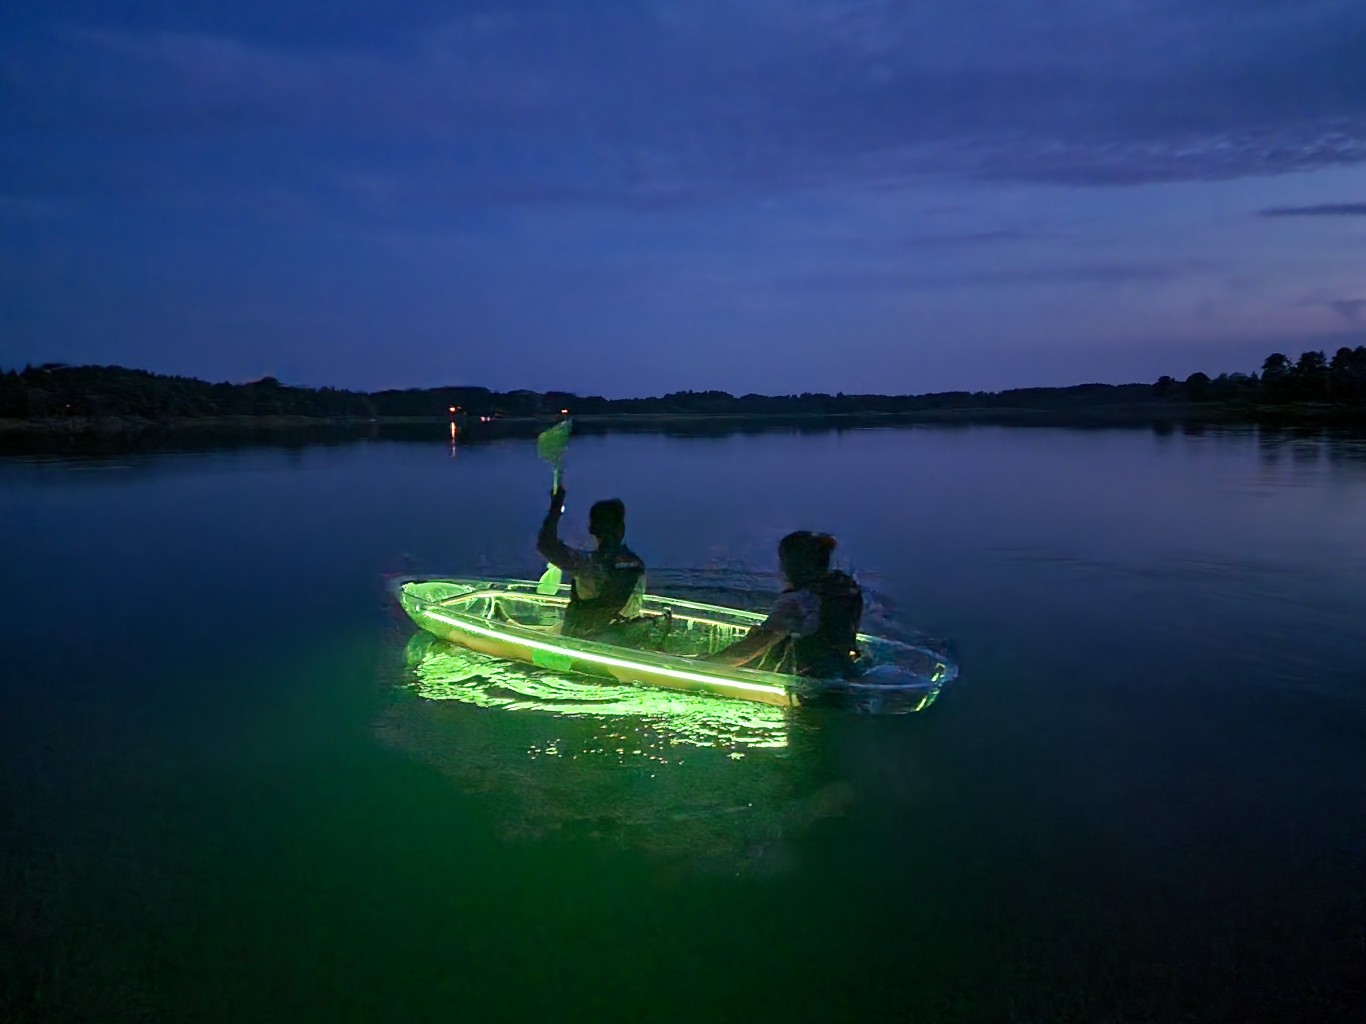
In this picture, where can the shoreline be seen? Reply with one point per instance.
(1207, 414)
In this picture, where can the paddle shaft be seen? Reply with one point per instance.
(551, 446)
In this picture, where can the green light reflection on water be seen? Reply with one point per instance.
(713, 784)
(442, 671)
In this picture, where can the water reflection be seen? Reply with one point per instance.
(718, 785)
(442, 671)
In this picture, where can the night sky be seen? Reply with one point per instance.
(633, 198)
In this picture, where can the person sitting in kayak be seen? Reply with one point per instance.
(812, 627)
(608, 584)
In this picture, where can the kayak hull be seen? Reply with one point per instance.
(509, 619)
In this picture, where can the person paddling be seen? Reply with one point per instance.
(812, 628)
(608, 584)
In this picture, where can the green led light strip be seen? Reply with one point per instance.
(603, 659)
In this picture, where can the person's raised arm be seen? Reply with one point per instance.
(548, 543)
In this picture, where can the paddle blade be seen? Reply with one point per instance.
(551, 444)
(550, 580)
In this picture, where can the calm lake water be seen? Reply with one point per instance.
(226, 792)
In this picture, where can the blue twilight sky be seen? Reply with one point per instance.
(631, 198)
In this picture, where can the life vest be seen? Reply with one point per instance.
(620, 569)
(829, 652)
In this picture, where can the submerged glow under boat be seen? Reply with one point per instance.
(508, 619)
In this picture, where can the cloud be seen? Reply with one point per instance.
(1103, 274)
(1318, 210)
(970, 239)
(223, 83)
(1351, 310)
(659, 105)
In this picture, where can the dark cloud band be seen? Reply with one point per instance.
(1318, 210)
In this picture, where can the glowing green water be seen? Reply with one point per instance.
(445, 672)
(233, 787)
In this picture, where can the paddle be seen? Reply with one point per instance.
(550, 447)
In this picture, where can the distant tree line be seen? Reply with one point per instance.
(1311, 380)
(54, 391)
(479, 401)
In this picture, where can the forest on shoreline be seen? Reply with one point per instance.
(55, 396)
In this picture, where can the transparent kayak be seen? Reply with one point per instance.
(508, 619)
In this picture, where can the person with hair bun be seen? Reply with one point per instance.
(812, 628)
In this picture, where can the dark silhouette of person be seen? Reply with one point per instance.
(812, 628)
(607, 585)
